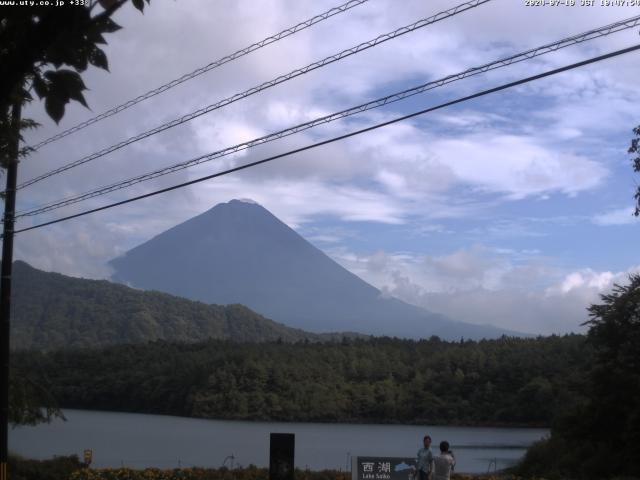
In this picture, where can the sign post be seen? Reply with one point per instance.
(281, 456)
(382, 468)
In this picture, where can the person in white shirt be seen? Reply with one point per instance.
(443, 464)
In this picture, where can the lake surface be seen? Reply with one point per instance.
(136, 440)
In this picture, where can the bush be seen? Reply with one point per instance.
(250, 473)
(58, 468)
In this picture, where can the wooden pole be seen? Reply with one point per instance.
(5, 286)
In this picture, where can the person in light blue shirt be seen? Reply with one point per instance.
(424, 459)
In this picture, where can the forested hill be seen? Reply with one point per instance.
(50, 311)
(507, 381)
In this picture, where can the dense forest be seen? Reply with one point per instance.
(509, 381)
(52, 311)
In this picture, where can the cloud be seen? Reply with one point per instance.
(78, 252)
(404, 161)
(517, 290)
(297, 202)
(588, 279)
(517, 166)
(619, 216)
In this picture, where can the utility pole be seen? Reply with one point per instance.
(5, 285)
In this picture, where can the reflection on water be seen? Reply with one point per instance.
(125, 439)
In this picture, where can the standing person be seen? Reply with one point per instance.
(443, 464)
(424, 460)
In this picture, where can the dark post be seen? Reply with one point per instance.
(281, 455)
(5, 287)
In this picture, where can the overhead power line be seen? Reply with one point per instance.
(271, 83)
(199, 71)
(341, 137)
(519, 57)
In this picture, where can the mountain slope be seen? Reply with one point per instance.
(238, 252)
(51, 311)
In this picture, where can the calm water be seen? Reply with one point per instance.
(136, 440)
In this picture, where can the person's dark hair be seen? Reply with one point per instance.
(444, 446)
(425, 437)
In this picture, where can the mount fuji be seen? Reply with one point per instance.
(238, 252)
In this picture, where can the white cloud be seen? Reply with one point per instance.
(296, 202)
(517, 290)
(406, 162)
(589, 280)
(518, 166)
(78, 252)
(619, 216)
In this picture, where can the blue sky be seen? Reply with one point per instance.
(512, 209)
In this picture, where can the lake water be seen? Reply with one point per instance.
(135, 440)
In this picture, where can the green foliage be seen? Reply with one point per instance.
(37, 42)
(30, 402)
(249, 473)
(53, 311)
(507, 381)
(635, 149)
(614, 411)
(542, 459)
(599, 437)
(58, 468)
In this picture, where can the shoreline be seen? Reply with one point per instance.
(418, 423)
